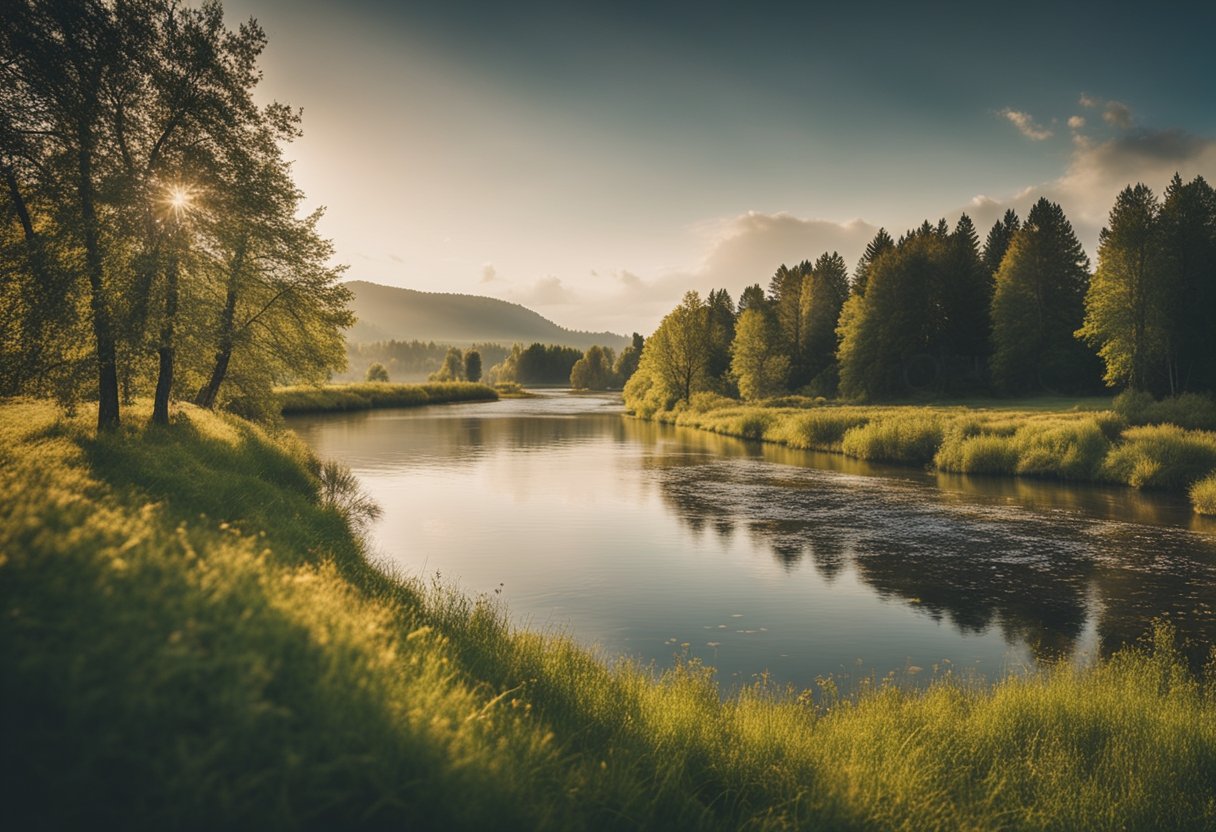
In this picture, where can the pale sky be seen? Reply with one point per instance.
(594, 164)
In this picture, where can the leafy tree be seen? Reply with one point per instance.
(785, 299)
(824, 292)
(627, 362)
(1125, 305)
(999, 238)
(594, 370)
(675, 361)
(758, 371)
(377, 372)
(453, 366)
(537, 364)
(472, 365)
(881, 244)
(1039, 302)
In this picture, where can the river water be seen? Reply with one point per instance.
(651, 541)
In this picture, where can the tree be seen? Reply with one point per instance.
(753, 298)
(881, 244)
(1125, 305)
(627, 362)
(758, 371)
(453, 367)
(1038, 303)
(964, 303)
(785, 298)
(720, 318)
(1187, 265)
(676, 355)
(472, 365)
(824, 292)
(376, 372)
(594, 370)
(999, 238)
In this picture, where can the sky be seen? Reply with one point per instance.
(594, 161)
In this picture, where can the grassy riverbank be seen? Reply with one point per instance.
(1126, 445)
(193, 637)
(369, 395)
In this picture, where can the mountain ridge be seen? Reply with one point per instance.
(396, 313)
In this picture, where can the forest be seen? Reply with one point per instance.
(938, 314)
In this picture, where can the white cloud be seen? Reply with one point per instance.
(1026, 125)
(1117, 114)
(1076, 122)
(546, 291)
(1089, 102)
(488, 273)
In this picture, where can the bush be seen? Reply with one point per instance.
(912, 439)
(1069, 451)
(977, 454)
(1203, 495)
(1161, 456)
(1190, 410)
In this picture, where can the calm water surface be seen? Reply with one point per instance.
(642, 538)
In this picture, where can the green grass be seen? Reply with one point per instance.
(1203, 495)
(1078, 441)
(368, 395)
(193, 637)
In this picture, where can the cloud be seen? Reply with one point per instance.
(488, 273)
(1118, 115)
(395, 258)
(1097, 171)
(1076, 122)
(1026, 125)
(546, 291)
(629, 279)
(1089, 102)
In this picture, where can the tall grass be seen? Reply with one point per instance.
(1077, 445)
(369, 395)
(193, 637)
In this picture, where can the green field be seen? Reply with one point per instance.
(194, 637)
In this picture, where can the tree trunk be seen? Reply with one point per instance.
(207, 395)
(103, 329)
(164, 379)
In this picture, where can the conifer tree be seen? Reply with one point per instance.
(881, 243)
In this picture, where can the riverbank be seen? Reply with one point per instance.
(370, 395)
(195, 637)
(1121, 446)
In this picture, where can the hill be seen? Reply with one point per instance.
(389, 312)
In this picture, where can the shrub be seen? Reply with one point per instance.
(907, 439)
(820, 430)
(1203, 495)
(1161, 456)
(977, 454)
(1069, 451)
(1190, 410)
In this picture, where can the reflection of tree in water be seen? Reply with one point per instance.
(972, 570)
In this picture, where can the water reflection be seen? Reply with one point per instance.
(641, 537)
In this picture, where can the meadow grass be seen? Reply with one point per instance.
(194, 637)
(1080, 442)
(305, 398)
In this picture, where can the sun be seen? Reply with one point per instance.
(179, 198)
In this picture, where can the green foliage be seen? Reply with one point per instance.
(377, 372)
(911, 439)
(1125, 307)
(675, 363)
(1162, 456)
(536, 364)
(340, 397)
(757, 371)
(472, 365)
(193, 637)
(1038, 303)
(878, 246)
(453, 367)
(594, 370)
(997, 243)
(1190, 410)
(627, 362)
(1188, 268)
(1203, 495)
(824, 291)
(412, 360)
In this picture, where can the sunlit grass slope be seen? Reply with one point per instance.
(364, 396)
(192, 637)
(1126, 446)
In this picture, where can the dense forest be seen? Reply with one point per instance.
(411, 360)
(151, 237)
(937, 313)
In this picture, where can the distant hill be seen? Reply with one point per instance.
(390, 313)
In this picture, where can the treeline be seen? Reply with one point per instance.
(150, 237)
(937, 312)
(404, 360)
(601, 368)
(535, 364)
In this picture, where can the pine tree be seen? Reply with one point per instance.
(823, 294)
(881, 243)
(1038, 303)
(1188, 271)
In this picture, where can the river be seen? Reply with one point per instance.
(652, 541)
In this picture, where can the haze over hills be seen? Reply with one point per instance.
(392, 313)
